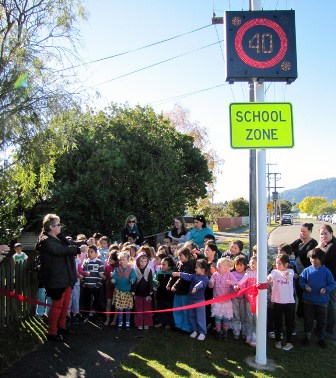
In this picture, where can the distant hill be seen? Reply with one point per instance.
(318, 188)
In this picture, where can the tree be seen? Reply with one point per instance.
(38, 39)
(25, 180)
(211, 211)
(325, 208)
(308, 204)
(285, 206)
(125, 161)
(237, 208)
(180, 119)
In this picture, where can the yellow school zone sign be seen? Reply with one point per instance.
(261, 125)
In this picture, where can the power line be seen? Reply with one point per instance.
(178, 97)
(137, 49)
(155, 64)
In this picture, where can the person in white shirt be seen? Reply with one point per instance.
(283, 299)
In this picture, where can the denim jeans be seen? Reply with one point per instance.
(42, 297)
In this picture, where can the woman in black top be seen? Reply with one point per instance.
(300, 248)
(58, 272)
(179, 233)
(328, 245)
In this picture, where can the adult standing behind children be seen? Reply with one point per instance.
(58, 273)
(199, 231)
(131, 227)
(328, 245)
(300, 248)
(179, 233)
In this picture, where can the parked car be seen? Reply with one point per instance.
(286, 220)
(333, 219)
(327, 218)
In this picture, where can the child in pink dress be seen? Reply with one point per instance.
(250, 279)
(222, 282)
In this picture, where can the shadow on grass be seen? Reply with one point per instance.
(168, 354)
(104, 352)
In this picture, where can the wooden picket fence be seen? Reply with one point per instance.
(19, 278)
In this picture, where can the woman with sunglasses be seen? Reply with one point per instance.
(133, 229)
(58, 271)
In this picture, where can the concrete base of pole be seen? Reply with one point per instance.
(270, 365)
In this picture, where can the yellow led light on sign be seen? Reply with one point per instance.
(261, 125)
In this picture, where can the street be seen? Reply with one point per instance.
(287, 234)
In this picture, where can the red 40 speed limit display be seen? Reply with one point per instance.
(260, 46)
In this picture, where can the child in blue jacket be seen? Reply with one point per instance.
(317, 282)
(198, 283)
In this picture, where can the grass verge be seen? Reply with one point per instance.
(168, 354)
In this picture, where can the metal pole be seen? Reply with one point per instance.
(262, 248)
(261, 234)
(253, 186)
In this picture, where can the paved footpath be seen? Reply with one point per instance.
(95, 352)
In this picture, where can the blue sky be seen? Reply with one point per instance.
(118, 26)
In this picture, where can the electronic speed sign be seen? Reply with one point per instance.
(260, 46)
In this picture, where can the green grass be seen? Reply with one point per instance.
(243, 237)
(168, 354)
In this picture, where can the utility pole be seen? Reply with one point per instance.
(275, 195)
(268, 181)
(269, 192)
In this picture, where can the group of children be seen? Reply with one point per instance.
(316, 281)
(126, 282)
(130, 281)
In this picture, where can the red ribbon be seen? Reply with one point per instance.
(251, 293)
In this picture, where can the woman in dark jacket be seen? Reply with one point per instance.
(300, 248)
(328, 245)
(58, 273)
(133, 229)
